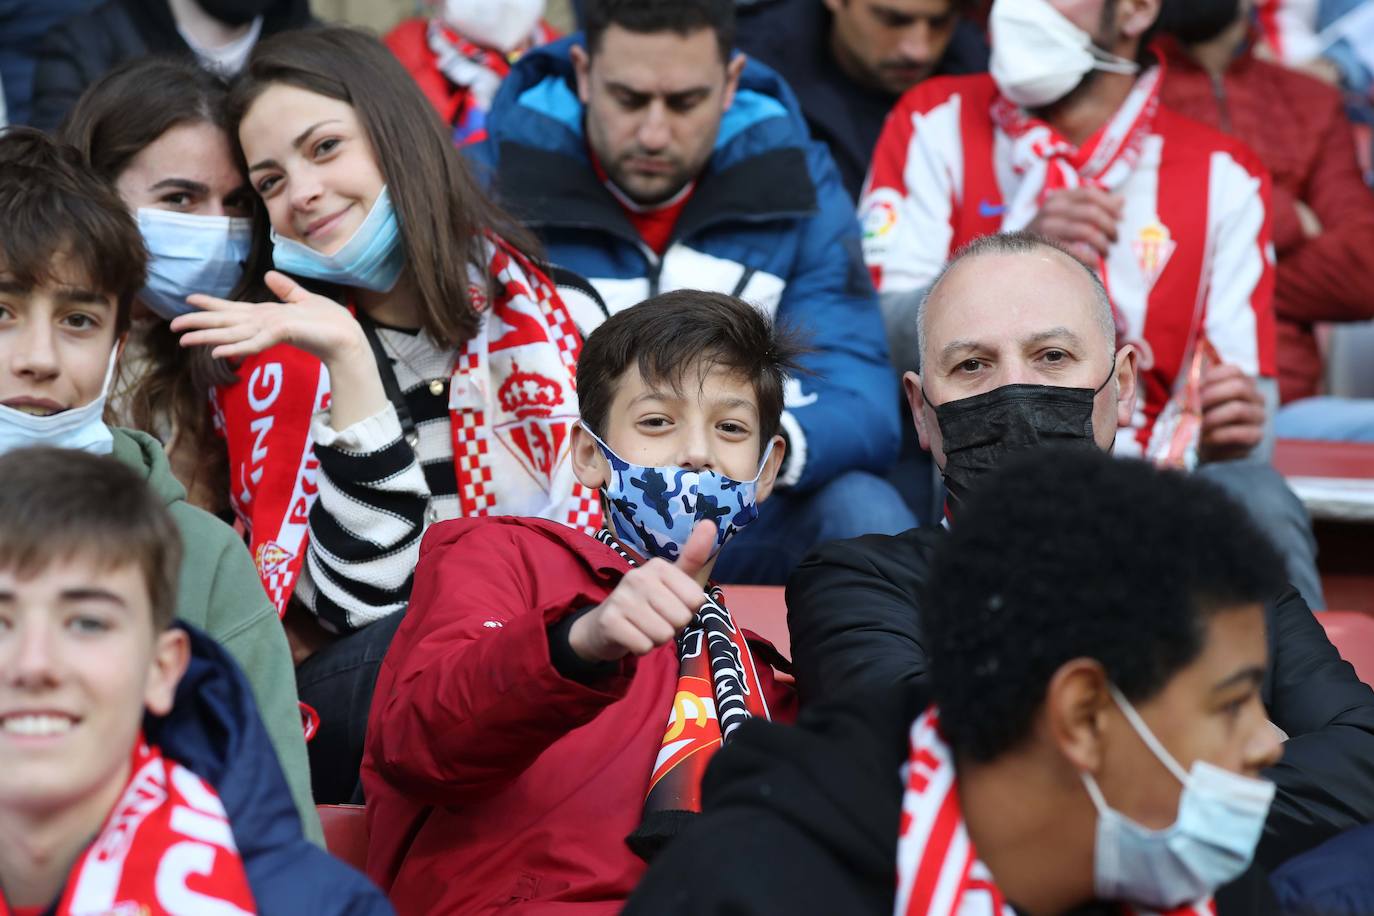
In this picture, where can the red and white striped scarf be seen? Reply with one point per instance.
(165, 850)
(938, 870)
(512, 406)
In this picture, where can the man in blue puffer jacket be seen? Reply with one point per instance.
(649, 158)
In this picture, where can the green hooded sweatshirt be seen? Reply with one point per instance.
(220, 593)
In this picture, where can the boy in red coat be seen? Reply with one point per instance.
(543, 718)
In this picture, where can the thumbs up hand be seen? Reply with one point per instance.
(649, 607)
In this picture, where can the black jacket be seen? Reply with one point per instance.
(793, 37)
(853, 609)
(87, 46)
(805, 820)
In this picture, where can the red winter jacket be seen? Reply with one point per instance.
(1298, 127)
(491, 780)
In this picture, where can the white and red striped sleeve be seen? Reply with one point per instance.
(914, 180)
(1240, 301)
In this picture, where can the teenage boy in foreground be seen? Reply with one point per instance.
(135, 774)
(516, 749)
(1090, 741)
(71, 262)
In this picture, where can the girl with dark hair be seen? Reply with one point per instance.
(155, 128)
(435, 381)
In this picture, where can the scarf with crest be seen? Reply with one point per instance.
(165, 850)
(718, 690)
(938, 870)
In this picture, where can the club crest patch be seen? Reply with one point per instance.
(1154, 246)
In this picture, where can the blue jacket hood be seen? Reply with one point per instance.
(541, 108)
(215, 731)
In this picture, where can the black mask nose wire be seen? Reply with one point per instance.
(1096, 391)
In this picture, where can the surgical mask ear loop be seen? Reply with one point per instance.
(1143, 730)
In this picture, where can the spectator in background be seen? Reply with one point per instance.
(1020, 354)
(23, 23)
(1066, 137)
(650, 158)
(849, 60)
(135, 776)
(219, 34)
(156, 128)
(1092, 732)
(72, 262)
(460, 54)
(1322, 212)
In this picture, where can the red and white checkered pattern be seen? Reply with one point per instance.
(585, 513)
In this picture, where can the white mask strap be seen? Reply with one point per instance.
(1146, 735)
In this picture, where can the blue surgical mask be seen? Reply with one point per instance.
(653, 510)
(190, 253)
(1220, 818)
(82, 428)
(372, 257)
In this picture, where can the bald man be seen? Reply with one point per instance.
(1018, 351)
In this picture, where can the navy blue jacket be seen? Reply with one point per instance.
(1335, 879)
(214, 730)
(769, 221)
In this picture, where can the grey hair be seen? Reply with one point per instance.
(1020, 242)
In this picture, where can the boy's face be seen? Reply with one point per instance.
(55, 341)
(714, 426)
(79, 664)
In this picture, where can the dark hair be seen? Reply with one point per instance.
(51, 204)
(1068, 554)
(649, 16)
(443, 213)
(668, 335)
(59, 504)
(115, 119)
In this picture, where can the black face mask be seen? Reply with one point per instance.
(235, 12)
(1195, 21)
(981, 431)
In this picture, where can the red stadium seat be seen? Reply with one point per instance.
(763, 609)
(345, 832)
(1352, 634)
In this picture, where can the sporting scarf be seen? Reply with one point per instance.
(512, 405)
(718, 690)
(938, 869)
(166, 848)
(477, 69)
(1046, 162)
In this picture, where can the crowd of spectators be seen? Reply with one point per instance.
(385, 421)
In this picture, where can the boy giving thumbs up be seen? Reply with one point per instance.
(548, 707)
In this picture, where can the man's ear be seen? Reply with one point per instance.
(1127, 376)
(582, 69)
(768, 475)
(171, 655)
(733, 71)
(911, 384)
(1076, 705)
(589, 466)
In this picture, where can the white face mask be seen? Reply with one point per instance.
(1039, 56)
(81, 428)
(1211, 842)
(190, 253)
(500, 24)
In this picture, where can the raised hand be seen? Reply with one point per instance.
(303, 319)
(649, 606)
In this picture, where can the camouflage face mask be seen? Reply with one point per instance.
(653, 510)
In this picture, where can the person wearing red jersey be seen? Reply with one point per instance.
(1067, 137)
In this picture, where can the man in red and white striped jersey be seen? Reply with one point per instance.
(1066, 137)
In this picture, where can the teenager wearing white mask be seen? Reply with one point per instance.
(461, 52)
(1066, 137)
(435, 381)
(71, 265)
(155, 129)
(1090, 742)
